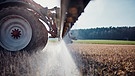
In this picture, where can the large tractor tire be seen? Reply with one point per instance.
(20, 30)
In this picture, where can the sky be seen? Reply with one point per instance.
(102, 13)
(48, 3)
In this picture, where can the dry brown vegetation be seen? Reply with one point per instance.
(91, 59)
(19, 63)
(104, 60)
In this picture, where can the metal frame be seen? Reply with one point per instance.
(61, 21)
(40, 12)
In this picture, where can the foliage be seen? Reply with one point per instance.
(110, 33)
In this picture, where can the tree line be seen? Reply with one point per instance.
(109, 33)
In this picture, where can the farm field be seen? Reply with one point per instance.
(104, 59)
(118, 42)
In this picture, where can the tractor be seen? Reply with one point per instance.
(22, 25)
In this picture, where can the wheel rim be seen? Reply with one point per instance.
(15, 32)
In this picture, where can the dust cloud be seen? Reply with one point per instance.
(54, 60)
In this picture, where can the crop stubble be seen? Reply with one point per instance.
(104, 60)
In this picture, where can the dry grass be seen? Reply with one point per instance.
(18, 63)
(104, 60)
(14, 64)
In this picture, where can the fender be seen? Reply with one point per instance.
(22, 3)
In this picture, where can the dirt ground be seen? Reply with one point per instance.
(104, 60)
(91, 60)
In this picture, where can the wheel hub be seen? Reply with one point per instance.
(16, 33)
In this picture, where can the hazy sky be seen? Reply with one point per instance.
(48, 3)
(103, 13)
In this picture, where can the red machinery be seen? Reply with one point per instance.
(21, 26)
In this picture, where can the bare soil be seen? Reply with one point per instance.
(103, 59)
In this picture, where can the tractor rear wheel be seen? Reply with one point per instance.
(20, 30)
